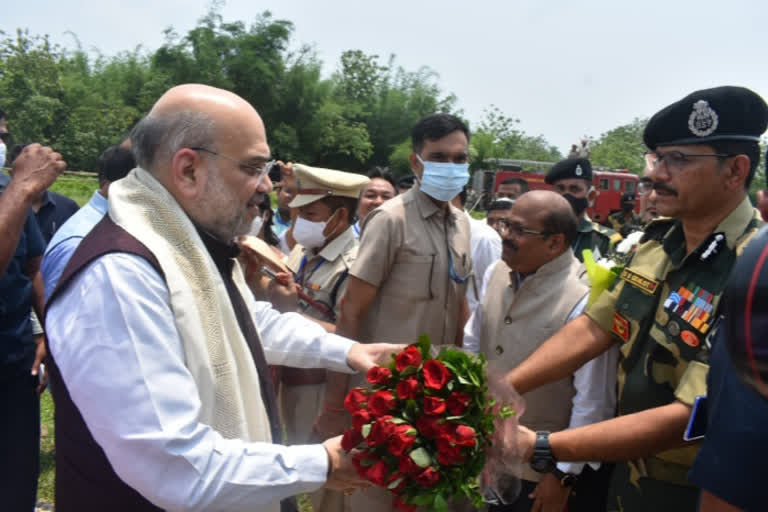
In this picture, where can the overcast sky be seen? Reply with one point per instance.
(563, 68)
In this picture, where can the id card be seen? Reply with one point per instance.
(697, 423)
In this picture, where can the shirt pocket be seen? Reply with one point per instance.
(411, 277)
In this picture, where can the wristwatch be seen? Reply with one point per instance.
(543, 461)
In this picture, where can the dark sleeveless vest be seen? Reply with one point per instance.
(85, 480)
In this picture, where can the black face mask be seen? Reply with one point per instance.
(627, 207)
(579, 204)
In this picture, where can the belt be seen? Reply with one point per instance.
(303, 376)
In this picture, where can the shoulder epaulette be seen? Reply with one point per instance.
(657, 228)
(606, 232)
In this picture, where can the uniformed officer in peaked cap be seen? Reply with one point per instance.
(572, 179)
(704, 152)
(625, 221)
(326, 247)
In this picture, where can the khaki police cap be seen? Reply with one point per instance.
(314, 183)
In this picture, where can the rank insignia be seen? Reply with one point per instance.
(620, 327)
(638, 280)
(692, 306)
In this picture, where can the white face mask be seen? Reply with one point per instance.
(308, 233)
(256, 225)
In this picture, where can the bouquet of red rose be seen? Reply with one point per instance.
(424, 427)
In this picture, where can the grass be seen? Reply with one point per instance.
(76, 187)
(45, 485)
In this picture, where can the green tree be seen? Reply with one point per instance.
(621, 147)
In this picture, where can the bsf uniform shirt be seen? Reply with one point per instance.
(661, 309)
(406, 251)
(595, 237)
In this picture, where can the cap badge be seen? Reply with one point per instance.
(703, 120)
(578, 171)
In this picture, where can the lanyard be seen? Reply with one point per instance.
(300, 273)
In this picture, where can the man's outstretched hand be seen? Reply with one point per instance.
(362, 356)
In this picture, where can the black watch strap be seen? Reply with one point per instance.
(543, 461)
(566, 479)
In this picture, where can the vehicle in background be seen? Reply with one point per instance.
(610, 184)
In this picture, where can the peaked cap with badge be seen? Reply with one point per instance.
(315, 183)
(570, 168)
(721, 113)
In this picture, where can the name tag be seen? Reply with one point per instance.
(638, 280)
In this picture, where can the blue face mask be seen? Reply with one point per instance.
(443, 180)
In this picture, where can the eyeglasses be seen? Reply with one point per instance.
(253, 170)
(517, 230)
(644, 187)
(676, 160)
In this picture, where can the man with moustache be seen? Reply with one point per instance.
(158, 351)
(705, 150)
(529, 294)
(572, 179)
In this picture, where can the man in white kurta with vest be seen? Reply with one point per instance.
(158, 350)
(532, 292)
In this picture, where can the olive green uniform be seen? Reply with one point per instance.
(595, 237)
(660, 310)
(619, 223)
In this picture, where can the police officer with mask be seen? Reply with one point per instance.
(572, 179)
(626, 220)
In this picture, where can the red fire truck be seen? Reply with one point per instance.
(610, 184)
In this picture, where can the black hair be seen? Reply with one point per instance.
(336, 202)
(265, 206)
(517, 181)
(463, 195)
(384, 174)
(740, 147)
(406, 181)
(435, 127)
(500, 204)
(561, 220)
(115, 163)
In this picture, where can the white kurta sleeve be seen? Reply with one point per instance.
(595, 398)
(113, 336)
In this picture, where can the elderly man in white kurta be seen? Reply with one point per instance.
(158, 349)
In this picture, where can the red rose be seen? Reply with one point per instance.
(408, 389)
(380, 431)
(378, 375)
(448, 454)
(464, 436)
(350, 439)
(378, 473)
(458, 403)
(381, 403)
(434, 405)
(360, 418)
(357, 461)
(402, 506)
(401, 439)
(428, 477)
(407, 466)
(428, 426)
(436, 375)
(356, 399)
(408, 357)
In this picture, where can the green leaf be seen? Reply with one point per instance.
(424, 346)
(397, 421)
(440, 504)
(421, 457)
(395, 483)
(366, 430)
(422, 499)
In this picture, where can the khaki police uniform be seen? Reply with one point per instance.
(407, 249)
(659, 311)
(595, 237)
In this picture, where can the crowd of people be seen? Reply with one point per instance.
(199, 344)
